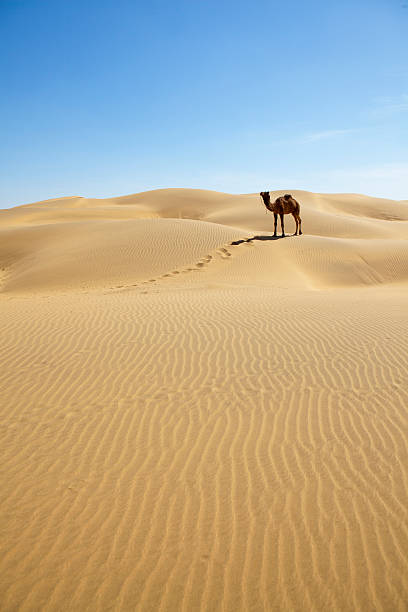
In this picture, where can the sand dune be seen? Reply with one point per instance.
(198, 416)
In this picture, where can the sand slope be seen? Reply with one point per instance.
(194, 415)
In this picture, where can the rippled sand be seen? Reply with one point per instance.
(196, 416)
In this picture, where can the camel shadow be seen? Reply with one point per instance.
(257, 238)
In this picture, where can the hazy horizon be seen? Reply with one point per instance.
(119, 195)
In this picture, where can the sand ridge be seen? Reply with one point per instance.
(117, 240)
(197, 416)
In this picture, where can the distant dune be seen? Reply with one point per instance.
(73, 243)
(198, 416)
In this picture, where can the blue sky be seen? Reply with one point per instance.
(110, 97)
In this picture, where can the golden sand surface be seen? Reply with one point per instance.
(197, 416)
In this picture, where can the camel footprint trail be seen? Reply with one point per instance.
(221, 253)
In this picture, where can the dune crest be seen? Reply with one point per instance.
(118, 241)
(195, 415)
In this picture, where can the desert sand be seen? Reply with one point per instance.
(197, 416)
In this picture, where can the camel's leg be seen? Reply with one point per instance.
(300, 226)
(282, 224)
(275, 217)
(297, 223)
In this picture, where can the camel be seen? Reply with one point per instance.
(284, 205)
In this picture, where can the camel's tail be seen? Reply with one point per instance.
(297, 205)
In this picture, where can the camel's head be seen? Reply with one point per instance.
(266, 199)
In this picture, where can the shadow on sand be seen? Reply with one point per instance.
(258, 238)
